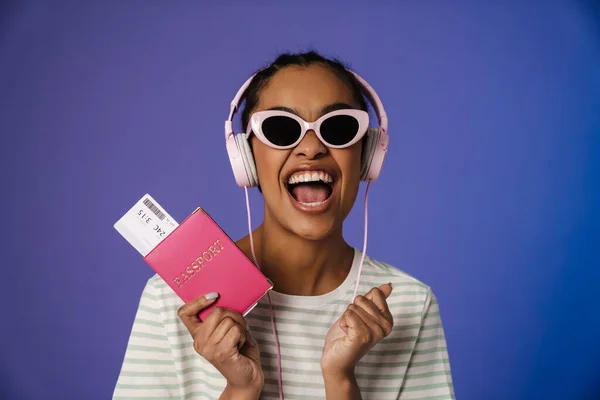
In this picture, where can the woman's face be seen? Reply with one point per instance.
(310, 210)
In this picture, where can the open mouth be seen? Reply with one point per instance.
(310, 188)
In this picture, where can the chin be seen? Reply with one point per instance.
(315, 229)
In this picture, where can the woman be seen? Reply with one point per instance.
(386, 344)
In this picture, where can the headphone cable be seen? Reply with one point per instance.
(269, 297)
(272, 313)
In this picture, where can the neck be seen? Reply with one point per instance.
(298, 266)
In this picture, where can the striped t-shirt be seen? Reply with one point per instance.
(411, 363)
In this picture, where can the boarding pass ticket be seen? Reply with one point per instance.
(145, 225)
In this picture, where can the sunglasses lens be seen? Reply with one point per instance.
(281, 130)
(339, 129)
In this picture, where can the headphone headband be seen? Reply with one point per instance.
(374, 151)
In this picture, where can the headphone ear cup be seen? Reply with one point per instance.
(241, 160)
(368, 150)
(248, 160)
(374, 152)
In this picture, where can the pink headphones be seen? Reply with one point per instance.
(242, 161)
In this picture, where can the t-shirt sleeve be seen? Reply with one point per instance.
(428, 374)
(148, 369)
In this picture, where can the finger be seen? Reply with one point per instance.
(369, 306)
(367, 318)
(250, 340)
(357, 329)
(379, 326)
(379, 295)
(250, 349)
(234, 338)
(188, 313)
(386, 288)
(217, 335)
(217, 315)
(376, 305)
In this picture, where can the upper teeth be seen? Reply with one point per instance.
(310, 176)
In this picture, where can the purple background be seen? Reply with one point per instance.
(490, 192)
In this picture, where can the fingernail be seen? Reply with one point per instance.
(390, 283)
(211, 296)
(253, 340)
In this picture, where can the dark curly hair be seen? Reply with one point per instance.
(297, 59)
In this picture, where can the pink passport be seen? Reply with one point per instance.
(198, 258)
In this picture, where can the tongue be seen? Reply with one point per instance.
(310, 193)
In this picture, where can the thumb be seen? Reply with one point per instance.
(188, 313)
(386, 289)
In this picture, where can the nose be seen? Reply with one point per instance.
(310, 147)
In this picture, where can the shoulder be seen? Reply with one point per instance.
(160, 295)
(407, 290)
(380, 271)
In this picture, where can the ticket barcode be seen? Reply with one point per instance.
(154, 209)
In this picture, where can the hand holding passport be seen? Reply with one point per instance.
(217, 282)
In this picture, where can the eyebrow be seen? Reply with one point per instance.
(324, 110)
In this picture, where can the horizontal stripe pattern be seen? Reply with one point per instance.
(411, 363)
